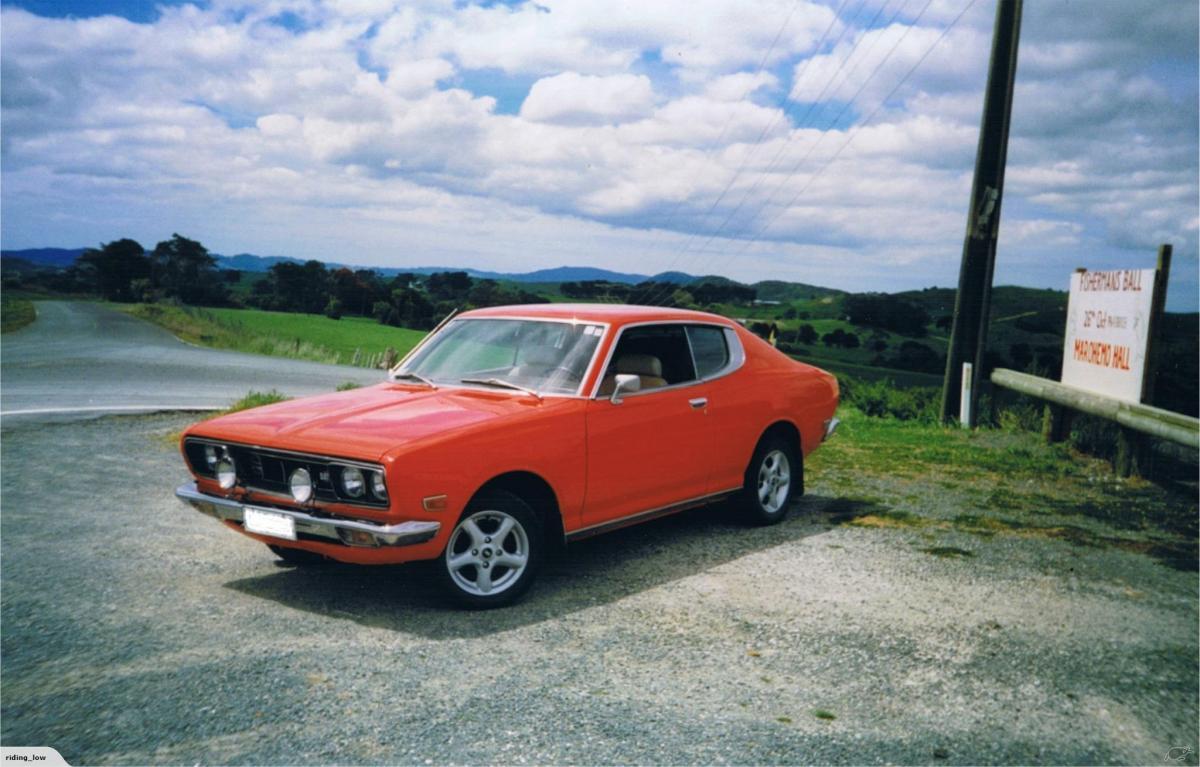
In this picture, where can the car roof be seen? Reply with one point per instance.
(617, 314)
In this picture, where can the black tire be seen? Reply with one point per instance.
(774, 478)
(298, 557)
(494, 552)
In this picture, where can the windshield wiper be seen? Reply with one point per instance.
(501, 384)
(415, 377)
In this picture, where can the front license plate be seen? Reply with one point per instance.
(269, 523)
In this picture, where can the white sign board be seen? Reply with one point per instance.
(1108, 319)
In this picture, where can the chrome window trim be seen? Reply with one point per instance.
(736, 360)
(605, 328)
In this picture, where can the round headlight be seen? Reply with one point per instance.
(378, 488)
(226, 472)
(352, 482)
(302, 486)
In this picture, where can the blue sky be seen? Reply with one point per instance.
(824, 141)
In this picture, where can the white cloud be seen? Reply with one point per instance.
(574, 99)
(386, 128)
(740, 86)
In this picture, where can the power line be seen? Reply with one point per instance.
(850, 56)
(845, 107)
(729, 121)
(780, 106)
(781, 112)
(854, 133)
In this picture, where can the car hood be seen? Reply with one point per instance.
(368, 423)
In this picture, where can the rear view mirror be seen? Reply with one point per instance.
(625, 383)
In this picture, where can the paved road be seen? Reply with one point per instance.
(84, 359)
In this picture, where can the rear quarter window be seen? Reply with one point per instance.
(709, 349)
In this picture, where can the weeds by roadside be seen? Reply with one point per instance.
(201, 327)
(15, 313)
(348, 341)
(256, 399)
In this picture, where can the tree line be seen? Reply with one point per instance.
(405, 300)
(696, 294)
(181, 269)
(123, 270)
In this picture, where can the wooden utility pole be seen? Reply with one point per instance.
(972, 305)
(1133, 451)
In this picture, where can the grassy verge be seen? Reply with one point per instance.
(279, 334)
(15, 313)
(955, 490)
(255, 399)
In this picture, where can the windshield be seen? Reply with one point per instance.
(549, 357)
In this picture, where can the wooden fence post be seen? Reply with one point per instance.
(1056, 423)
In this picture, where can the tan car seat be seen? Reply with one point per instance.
(646, 367)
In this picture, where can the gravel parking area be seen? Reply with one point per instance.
(136, 631)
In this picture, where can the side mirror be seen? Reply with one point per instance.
(625, 383)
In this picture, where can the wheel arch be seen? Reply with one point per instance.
(787, 431)
(535, 491)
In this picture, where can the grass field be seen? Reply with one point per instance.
(280, 334)
(902, 378)
(15, 313)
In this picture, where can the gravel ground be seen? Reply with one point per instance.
(136, 631)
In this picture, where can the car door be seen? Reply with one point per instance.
(735, 404)
(651, 449)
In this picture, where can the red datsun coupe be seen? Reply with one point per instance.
(513, 429)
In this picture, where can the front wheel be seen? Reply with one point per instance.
(494, 552)
(771, 480)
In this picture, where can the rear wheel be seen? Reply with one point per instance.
(298, 557)
(494, 552)
(772, 478)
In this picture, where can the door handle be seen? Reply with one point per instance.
(698, 402)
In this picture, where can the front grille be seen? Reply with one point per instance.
(269, 470)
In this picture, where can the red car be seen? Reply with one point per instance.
(513, 429)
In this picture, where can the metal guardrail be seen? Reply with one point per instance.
(1164, 424)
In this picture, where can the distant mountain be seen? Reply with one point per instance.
(777, 290)
(15, 265)
(576, 274)
(60, 258)
(55, 257)
(679, 278)
(248, 262)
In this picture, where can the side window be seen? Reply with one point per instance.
(658, 354)
(709, 348)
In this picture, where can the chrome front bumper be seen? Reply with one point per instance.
(345, 531)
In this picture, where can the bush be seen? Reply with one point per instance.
(257, 399)
(883, 399)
